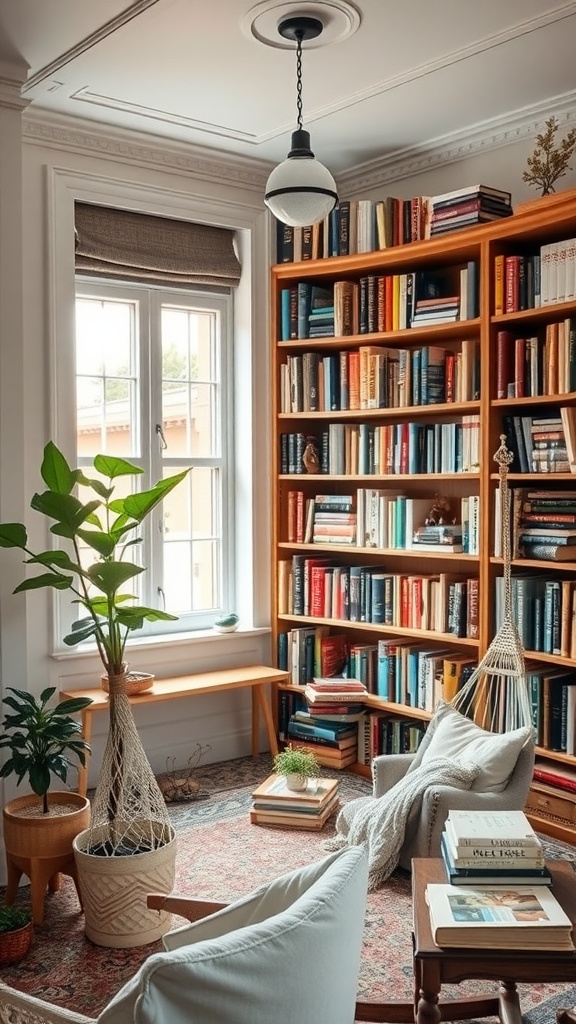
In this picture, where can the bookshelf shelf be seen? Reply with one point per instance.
(460, 578)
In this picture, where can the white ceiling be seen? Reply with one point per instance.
(413, 71)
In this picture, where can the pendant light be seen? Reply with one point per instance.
(300, 191)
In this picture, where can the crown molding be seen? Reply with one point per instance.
(12, 77)
(131, 147)
(465, 144)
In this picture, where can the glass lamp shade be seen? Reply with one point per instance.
(300, 190)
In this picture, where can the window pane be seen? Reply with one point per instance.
(192, 543)
(106, 396)
(190, 382)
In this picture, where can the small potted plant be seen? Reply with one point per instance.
(298, 765)
(39, 829)
(15, 933)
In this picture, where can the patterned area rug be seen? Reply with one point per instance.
(222, 856)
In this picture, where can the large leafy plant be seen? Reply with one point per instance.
(40, 738)
(104, 525)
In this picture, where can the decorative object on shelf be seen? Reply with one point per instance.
(130, 839)
(300, 191)
(227, 623)
(298, 765)
(16, 933)
(550, 161)
(179, 784)
(39, 830)
(440, 513)
(136, 682)
(311, 456)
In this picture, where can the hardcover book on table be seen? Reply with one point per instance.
(275, 791)
(502, 917)
(491, 828)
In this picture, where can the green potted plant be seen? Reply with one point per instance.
(129, 817)
(298, 765)
(16, 931)
(39, 829)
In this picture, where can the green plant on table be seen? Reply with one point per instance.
(13, 918)
(296, 761)
(40, 737)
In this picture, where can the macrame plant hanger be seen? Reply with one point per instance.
(496, 694)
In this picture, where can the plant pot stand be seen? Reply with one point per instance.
(40, 846)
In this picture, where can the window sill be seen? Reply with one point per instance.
(167, 641)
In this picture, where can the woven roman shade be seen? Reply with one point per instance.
(135, 246)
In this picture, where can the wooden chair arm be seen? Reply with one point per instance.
(185, 906)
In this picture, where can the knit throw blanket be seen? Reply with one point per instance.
(379, 823)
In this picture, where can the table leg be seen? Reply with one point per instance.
(263, 703)
(427, 1009)
(255, 721)
(509, 1003)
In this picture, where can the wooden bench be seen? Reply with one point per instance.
(256, 677)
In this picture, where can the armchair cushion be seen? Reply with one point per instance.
(453, 735)
(258, 960)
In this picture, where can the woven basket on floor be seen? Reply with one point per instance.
(14, 946)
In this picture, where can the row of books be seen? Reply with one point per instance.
(539, 365)
(545, 443)
(274, 805)
(383, 519)
(419, 675)
(543, 610)
(542, 524)
(322, 588)
(560, 776)
(377, 303)
(542, 278)
(349, 449)
(382, 733)
(553, 702)
(366, 225)
(374, 377)
(499, 892)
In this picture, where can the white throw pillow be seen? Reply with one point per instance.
(453, 735)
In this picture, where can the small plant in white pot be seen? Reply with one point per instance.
(298, 765)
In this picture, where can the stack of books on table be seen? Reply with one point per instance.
(333, 743)
(276, 806)
(503, 917)
(492, 847)
(475, 204)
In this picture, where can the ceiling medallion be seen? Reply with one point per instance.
(339, 18)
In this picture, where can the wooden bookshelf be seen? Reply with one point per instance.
(520, 235)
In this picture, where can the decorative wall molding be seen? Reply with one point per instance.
(12, 77)
(133, 147)
(516, 126)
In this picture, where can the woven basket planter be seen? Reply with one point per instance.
(114, 891)
(14, 946)
(44, 836)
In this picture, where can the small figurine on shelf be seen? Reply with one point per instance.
(310, 457)
(440, 512)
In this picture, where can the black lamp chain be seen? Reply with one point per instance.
(299, 79)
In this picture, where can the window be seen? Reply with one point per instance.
(153, 386)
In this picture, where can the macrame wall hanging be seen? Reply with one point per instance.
(496, 694)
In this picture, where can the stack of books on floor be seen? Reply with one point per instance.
(475, 204)
(276, 806)
(494, 848)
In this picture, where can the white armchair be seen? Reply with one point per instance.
(289, 952)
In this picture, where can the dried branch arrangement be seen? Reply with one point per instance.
(550, 161)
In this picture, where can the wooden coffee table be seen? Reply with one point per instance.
(434, 967)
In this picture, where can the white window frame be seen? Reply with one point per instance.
(149, 300)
